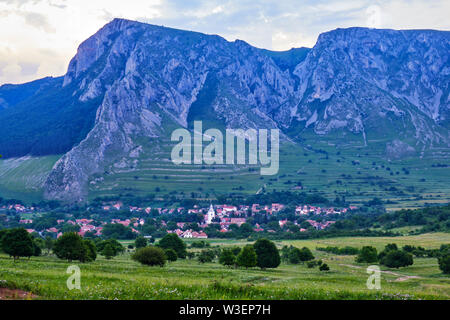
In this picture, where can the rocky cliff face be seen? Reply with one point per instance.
(362, 80)
(373, 83)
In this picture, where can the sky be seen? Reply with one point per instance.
(39, 37)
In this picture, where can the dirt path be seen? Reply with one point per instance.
(401, 277)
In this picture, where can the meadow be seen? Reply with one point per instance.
(123, 278)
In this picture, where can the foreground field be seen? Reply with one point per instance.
(122, 278)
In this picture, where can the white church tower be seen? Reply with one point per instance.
(210, 215)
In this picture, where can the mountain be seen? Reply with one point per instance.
(131, 84)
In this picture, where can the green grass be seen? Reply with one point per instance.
(122, 278)
(22, 178)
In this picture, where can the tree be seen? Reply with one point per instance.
(37, 244)
(171, 255)
(397, 259)
(70, 246)
(17, 243)
(247, 257)
(368, 254)
(48, 244)
(444, 263)
(324, 267)
(267, 254)
(306, 254)
(172, 241)
(91, 251)
(293, 255)
(151, 256)
(206, 255)
(140, 242)
(116, 245)
(108, 251)
(227, 257)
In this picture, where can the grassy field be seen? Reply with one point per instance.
(122, 278)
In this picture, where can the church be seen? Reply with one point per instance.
(210, 215)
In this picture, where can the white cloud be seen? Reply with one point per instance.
(39, 37)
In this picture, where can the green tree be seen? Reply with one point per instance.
(206, 255)
(293, 255)
(48, 244)
(267, 254)
(17, 243)
(172, 241)
(91, 250)
(116, 245)
(140, 242)
(70, 246)
(171, 254)
(151, 256)
(324, 267)
(306, 254)
(444, 263)
(247, 257)
(37, 247)
(368, 254)
(108, 251)
(227, 257)
(397, 259)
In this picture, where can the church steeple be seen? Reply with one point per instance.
(210, 215)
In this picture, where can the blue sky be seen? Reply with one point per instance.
(39, 37)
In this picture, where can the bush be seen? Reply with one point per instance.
(171, 255)
(151, 256)
(397, 259)
(267, 254)
(368, 254)
(324, 267)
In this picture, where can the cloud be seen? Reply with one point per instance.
(39, 37)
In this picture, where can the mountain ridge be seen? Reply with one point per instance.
(142, 79)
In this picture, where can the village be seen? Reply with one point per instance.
(222, 216)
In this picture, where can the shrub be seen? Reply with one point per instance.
(171, 255)
(151, 256)
(324, 267)
(397, 259)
